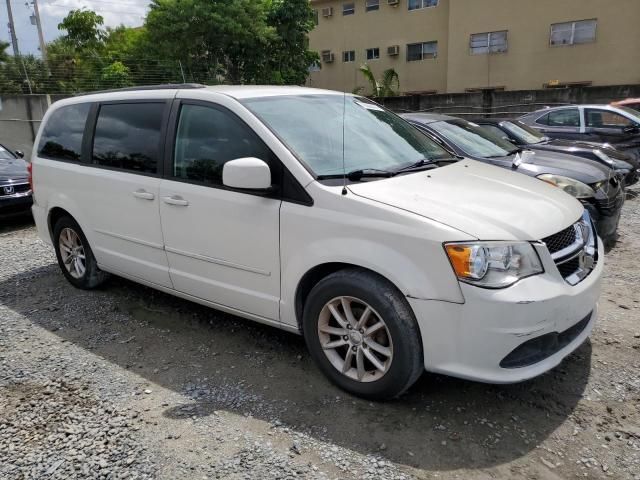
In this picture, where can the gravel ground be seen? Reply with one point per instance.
(127, 382)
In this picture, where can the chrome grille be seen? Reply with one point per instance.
(574, 250)
(561, 240)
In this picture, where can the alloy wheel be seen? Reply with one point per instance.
(355, 339)
(72, 253)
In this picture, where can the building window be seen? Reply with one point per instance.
(491, 42)
(316, 17)
(349, 56)
(418, 4)
(420, 51)
(373, 53)
(372, 5)
(572, 33)
(348, 8)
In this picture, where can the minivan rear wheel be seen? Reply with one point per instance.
(75, 256)
(363, 335)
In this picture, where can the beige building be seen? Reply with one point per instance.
(460, 45)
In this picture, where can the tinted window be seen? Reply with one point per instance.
(473, 139)
(128, 136)
(61, 138)
(496, 131)
(543, 120)
(6, 154)
(606, 119)
(207, 138)
(564, 118)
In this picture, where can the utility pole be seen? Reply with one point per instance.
(43, 46)
(12, 32)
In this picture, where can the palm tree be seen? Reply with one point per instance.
(388, 86)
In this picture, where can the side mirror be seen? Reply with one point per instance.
(19, 153)
(247, 174)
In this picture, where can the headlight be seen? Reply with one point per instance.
(572, 187)
(493, 264)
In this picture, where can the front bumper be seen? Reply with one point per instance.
(472, 339)
(18, 204)
(606, 213)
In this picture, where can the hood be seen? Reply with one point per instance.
(13, 169)
(567, 146)
(483, 201)
(582, 169)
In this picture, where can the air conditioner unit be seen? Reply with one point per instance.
(393, 3)
(327, 56)
(393, 50)
(327, 12)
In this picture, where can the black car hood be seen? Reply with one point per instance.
(13, 169)
(568, 146)
(582, 169)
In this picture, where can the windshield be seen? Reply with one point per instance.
(6, 154)
(523, 133)
(473, 139)
(313, 127)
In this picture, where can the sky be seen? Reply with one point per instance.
(115, 12)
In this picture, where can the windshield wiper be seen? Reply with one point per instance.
(423, 164)
(357, 175)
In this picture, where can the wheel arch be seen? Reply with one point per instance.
(319, 272)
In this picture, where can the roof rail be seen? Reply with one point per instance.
(164, 86)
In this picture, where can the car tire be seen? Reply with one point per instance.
(75, 256)
(342, 314)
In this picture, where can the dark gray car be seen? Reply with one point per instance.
(602, 124)
(524, 136)
(15, 192)
(596, 186)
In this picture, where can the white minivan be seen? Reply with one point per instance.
(326, 215)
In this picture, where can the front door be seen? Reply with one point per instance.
(222, 245)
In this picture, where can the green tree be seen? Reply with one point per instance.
(84, 29)
(289, 55)
(4, 56)
(115, 75)
(216, 40)
(387, 86)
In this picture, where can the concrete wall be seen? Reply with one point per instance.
(507, 103)
(529, 62)
(20, 117)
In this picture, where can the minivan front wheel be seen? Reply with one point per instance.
(362, 333)
(75, 256)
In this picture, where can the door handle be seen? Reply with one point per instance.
(143, 194)
(176, 200)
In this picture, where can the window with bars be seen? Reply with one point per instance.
(418, 4)
(572, 33)
(348, 8)
(421, 51)
(373, 53)
(489, 42)
(349, 56)
(372, 5)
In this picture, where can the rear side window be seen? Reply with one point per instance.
(127, 136)
(61, 137)
(207, 138)
(564, 118)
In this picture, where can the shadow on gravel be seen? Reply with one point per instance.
(225, 363)
(19, 222)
